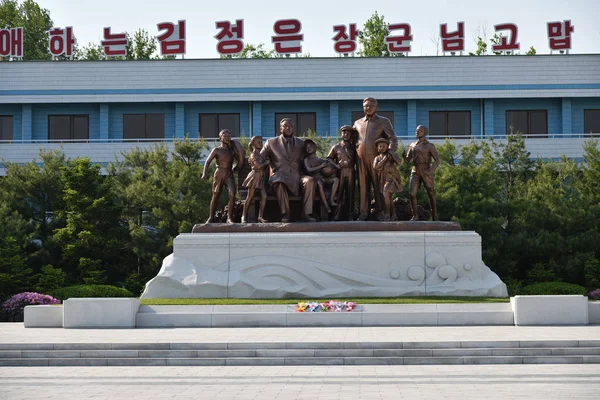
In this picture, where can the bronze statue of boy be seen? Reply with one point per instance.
(223, 176)
(421, 153)
(344, 155)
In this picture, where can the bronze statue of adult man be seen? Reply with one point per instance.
(344, 154)
(421, 153)
(370, 128)
(224, 156)
(286, 154)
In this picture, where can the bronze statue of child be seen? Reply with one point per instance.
(386, 167)
(324, 172)
(256, 178)
(224, 156)
(344, 155)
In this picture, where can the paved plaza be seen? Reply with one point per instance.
(550, 381)
(16, 333)
(460, 382)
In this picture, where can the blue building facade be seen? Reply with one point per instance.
(99, 109)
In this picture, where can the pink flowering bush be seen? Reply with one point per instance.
(12, 309)
(594, 294)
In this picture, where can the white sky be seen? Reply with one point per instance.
(88, 17)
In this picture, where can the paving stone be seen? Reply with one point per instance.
(591, 359)
(522, 352)
(50, 354)
(373, 361)
(433, 360)
(577, 351)
(548, 343)
(226, 353)
(198, 346)
(402, 352)
(77, 362)
(589, 343)
(344, 353)
(553, 360)
(10, 354)
(140, 346)
(168, 353)
(286, 353)
(26, 346)
(255, 346)
(314, 361)
(431, 345)
(373, 345)
(315, 345)
(461, 352)
(109, 353)
(254, 361)
(136, 362)
(492, 360)
(489, 344)
(23, 362)
(195, 361)
(81, 346)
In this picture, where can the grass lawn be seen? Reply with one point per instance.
(359, 300)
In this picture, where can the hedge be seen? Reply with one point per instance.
(90, 291)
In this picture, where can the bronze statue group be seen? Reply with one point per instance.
(367, 152)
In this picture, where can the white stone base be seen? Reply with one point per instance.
(325, 265)
(100, 312)
(594, 312)
(550, 310)
(365, 315)
(43, 316)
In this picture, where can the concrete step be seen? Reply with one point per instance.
(255, 361)
(301, 353)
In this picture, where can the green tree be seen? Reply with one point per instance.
(36, 22)
(252, 51)
(93, 238)
(91, 52)
(34, 192)
(164, 196)
(15, 276)
(372, 37)
(469, 191)
(140, 46)
(482, 46)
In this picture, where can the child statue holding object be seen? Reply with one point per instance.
(255, 179)
(324, 172)
(386, 167)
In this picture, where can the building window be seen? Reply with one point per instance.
(6, 127)
(143, 126)
(450, 123)
(68, 127)
(591, 121)
(530, 122)
(360, 114)
(211, 124)
(303, 122)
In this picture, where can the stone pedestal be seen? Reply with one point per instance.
(43, 316)
(550, 310)
(100, 312)
(275, 262)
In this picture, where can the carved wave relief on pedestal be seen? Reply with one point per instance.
(283, 276)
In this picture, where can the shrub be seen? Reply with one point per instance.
(91, 291)
(12, 309)
(594, 294)
(552, 288)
